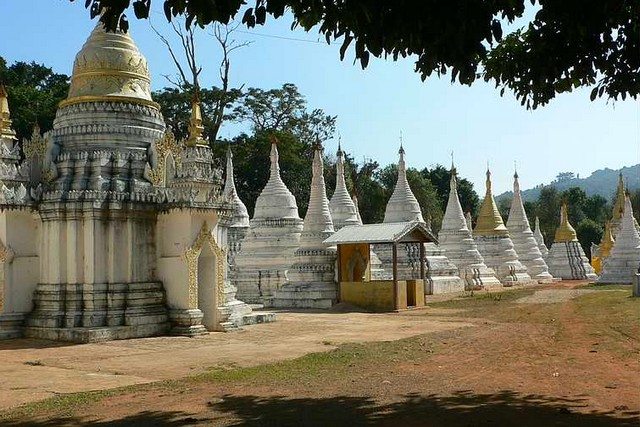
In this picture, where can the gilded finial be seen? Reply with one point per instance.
(401, 150)
(6, 132)
(515, 169)
(195, 124)
(565, 232)
(273, 139)
(489, 222)
(488, 181)
(618, 206)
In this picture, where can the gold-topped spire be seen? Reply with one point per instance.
(565, 232)
(489, 221)
(195, 125)
(606, 244)
(618, 205)
(109, 67)
(6, 132)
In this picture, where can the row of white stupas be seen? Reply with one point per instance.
(279, 259)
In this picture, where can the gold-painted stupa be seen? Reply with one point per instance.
(489, 219)
(196, 128)
(565, 232)
(109, 67)
(6, 132)
(618, 205)
(604, 248)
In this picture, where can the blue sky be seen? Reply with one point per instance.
(372, 105)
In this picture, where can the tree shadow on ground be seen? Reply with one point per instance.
(141, 419)
(463, 409)
(31, 343)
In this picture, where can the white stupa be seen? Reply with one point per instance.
(274, 235)
(461, 249)
(343, 209)
(312, 276)
(495, 245)
(354, 198)
(537, 234)
(239, 224)
(624, 261)
(524, 241)
(566, 258)
(403, 206)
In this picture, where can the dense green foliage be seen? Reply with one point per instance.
(34, 92)
(567, 43)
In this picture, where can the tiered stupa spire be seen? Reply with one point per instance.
(600, 252)
(624, 261)
(239, 224)
(240, 213)
(343, 210)
(489, 221)
(354, 198)
(196, 129)
(275, 199)
(469, 221)
(494, 243)
(274, 235)
(6, 131)
(403, 205)
(311, 277)
(455, 238)
(566, 258)
(523, 239)
(537, 233)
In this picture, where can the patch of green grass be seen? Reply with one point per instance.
(323, 366)
(612, 318)
(497, 306)
(336, 363)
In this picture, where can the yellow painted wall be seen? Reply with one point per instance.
(346, 252)
(376, 295)
(415, 292)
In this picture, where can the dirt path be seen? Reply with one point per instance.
(32, 370)
(558, 356)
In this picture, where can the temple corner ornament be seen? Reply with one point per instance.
(163, 151)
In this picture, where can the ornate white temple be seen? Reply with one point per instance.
(274, 235)
(624, 260)
(442, 274)
(455, 238)
(312, 282)
(495, 245)
(566, 258)
(130, 227)
(524, 242)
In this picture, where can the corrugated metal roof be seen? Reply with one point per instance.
(382, 233)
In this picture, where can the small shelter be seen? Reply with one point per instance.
(354, 265)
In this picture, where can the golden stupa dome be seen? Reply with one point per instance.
(489, 219)
(109, 67)
(565, 232)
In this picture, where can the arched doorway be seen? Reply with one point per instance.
(207, 295)
(205, 261)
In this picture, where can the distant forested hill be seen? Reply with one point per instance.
(602, 182)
